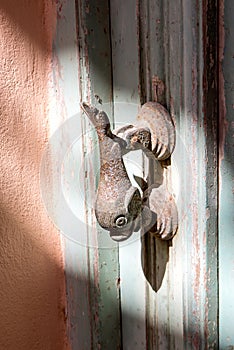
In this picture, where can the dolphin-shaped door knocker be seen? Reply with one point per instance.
(119, 207)
(118, 203)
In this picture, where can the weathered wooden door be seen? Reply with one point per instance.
(147, 294)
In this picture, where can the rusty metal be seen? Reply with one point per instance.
(118, 203)
(119, 207)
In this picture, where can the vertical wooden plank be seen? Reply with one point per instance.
(200, 124)
(164, 266)
(226, 169)
(96, 79)
(187, 299)
(125, 60)
(196, 121)
(82, 68)
(164, 306)
(210, 109)
(189, 119)
(173, 42)
(66, 105)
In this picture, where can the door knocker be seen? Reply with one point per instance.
(120, 207)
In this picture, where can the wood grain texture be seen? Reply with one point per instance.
(186, 303)
(125, 70)
(81, 70)
(165, 295)
(226, 169)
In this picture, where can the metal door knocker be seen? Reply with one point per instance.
(120, 208)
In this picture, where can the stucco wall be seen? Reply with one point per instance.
(32, 291)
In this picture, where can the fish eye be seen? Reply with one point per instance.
(121, 221)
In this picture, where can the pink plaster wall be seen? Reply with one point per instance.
(32, 288)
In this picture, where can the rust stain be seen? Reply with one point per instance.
(158, 89)
(59, 4)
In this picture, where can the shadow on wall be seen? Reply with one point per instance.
(33, 19)
(31, 293)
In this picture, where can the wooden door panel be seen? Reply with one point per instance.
(148, 294)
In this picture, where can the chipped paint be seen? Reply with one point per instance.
(174, 43)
